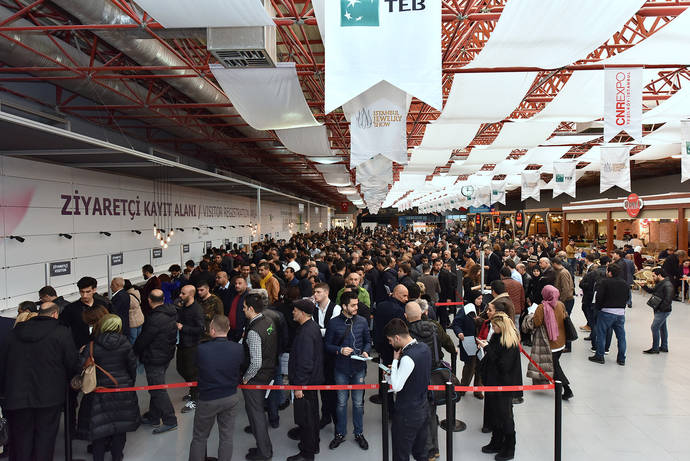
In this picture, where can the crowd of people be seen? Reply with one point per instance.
(314, 310)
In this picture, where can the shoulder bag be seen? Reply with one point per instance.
(87, 382)
(570, 331)
(654, 302)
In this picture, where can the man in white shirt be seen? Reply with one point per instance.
(324, 312)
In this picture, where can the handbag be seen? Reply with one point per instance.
(439, 377)
(570, 331)
(654, 302)
(87, 382)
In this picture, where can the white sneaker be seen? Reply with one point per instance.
(189, 406)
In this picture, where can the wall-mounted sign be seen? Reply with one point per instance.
(226, 242)
(209, 244)
(239, 239)
(60, 268)
(116, 259)
(633, 204)
(519, 219)
(185, 248)
(157, 253)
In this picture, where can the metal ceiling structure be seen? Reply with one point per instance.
(121, 70)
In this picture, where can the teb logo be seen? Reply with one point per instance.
(363, 13)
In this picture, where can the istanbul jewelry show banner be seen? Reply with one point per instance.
(615, 167)
(378, 124)
(368, 41)
(622, 102)
(530, 185)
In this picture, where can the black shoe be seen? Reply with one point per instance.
(621, 362)
(187, 397)
(247, 429)
(325, 421)
(597, 359)
(507, 448)
(588, 338)
(275, 424)
(567, 394)
(518, 400)
(494, 446)
(337, 440)
(663, 349)
(651, 351)
(299, 445)
(375, 399)
(149, 422)
(284, 405)
(255, 456)
(300, 457)
(361, 441)
(252, 451)
(293, 433)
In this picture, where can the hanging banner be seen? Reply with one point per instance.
(615, 167)
(622, 102)
(685, 150)
(371, 40)
(482, 195)
(564, 178)
(530, 185)
(498, 192)
(378, 124)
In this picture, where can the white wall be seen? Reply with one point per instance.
(34, 205)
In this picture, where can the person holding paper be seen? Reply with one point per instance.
(465, 327)
(347, 336)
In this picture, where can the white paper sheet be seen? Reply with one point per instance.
(470, 345)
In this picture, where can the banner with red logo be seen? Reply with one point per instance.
(633, 204)
(622, 102)
(615, 167)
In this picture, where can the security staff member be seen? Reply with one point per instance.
(409, 378)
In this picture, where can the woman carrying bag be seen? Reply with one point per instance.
(501, 367)
(105, 418)
(551, 314)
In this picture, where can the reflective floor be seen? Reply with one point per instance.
(637, 412)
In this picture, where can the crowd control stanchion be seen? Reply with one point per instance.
(383, 395)
(558, 413)
(450, 416)
(459, 426)
(68, 432)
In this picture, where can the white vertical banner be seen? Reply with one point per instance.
(685, 150)
(498, 192)
(378, 124)
(530, 185)
(564, 178)
(398, 41)
(622, 102)
(615, 167)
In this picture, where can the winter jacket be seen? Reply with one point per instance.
(495, 263)
(156, 343)
(424, 331)
(210, 307)
(136, 316)
(103, 415)
(120, 307)
(384, 313)
(305, 367)
(37, 360)
(612, 292)
(540, 352)
(448, 282)
(564, 284)
(665, 291)
(560, 314)
(516, 293)
(78, 317)
(466, 325)
(500, 365)
(192, 319)
(344, 332)
(548, 277)
(362, 296)
(280, 324)
(431, 286)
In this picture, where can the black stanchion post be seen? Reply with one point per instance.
(68, 429)
(383, 395)
(457, 425)
(450, 416)
(558, 423)
(454, 363)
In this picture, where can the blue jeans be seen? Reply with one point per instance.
(276, 397)
(659, 329)
(593, 333)
(134, 334)
(606, 321)
(357, 402)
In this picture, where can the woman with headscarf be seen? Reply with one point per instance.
(637, 257)
(105, 418)
(551, 314)
(501, 367)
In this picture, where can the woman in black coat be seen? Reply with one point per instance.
(105, 419)
(501, 367)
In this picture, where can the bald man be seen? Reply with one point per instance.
(393, 307)
(120, 301)
(155, 347)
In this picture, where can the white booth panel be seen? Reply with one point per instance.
(37, 221)
(17, 167)
(27, 279)
(3, 283)
(91, 244)
(24, 192)
(38, 249)
(133, 260)
(91, 266)
(86, 178)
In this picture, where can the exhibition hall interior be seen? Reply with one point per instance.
(315, 229)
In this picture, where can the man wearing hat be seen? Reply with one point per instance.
(305, 368)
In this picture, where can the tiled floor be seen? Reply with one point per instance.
(637, 412)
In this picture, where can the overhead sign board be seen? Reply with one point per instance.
(60, 268)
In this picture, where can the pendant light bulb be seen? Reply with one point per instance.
(162, 243)
(165, 245)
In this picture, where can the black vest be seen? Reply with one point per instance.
(269, 349)
(327, 318)
(414, 394)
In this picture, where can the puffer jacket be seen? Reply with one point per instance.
(357, 338)
(103, 415)
(540, 352)
(156, 343)
(663, 290)
(426, 332)
(136, 316)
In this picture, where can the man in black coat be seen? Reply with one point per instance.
(191, 325)
(120, 302)
(393, 308)
(492, 264)
(37, 360)
(671, 267)
(155, 347)
(47, 294)
(305, 368)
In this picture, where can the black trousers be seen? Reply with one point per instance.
(160, 406)
(558, 374)
(117, 447)
(410, 429)
(187, 367)
(33, 432)
(329, 399)
(307, 418)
